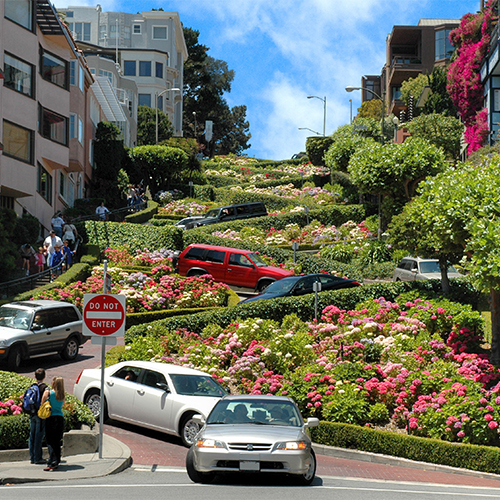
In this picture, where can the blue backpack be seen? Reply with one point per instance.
(32, 399)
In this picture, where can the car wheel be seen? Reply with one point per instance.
(308, 477)
(194, 475)
(192, 274)
(70, 349)
(14, 359)
(93, 402)
(188, 430)
(263, 285)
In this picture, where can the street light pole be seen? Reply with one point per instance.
(156, 108)
(310, 129)
(324, 109)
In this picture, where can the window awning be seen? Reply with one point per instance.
(107, 98)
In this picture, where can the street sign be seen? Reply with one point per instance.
(104, 315)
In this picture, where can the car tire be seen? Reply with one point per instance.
(14, 358)
(70, 349)
(308, 477)
(192, 274)
(188, 430)
(263, 285)
(194, 475)
(93, 401)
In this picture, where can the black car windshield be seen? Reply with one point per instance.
(255, 411)
(257, 260)
(212, 214)
(12, 317)
(197, 385)
(282, 286)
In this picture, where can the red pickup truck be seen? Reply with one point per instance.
(233, 266)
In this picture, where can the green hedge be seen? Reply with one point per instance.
(143, 215)
(136, 236)
(277, 309)
(466, 456)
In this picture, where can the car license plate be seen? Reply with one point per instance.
(249, 465)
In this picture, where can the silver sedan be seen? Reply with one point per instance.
(253, 434)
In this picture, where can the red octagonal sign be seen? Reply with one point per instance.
(104, 315)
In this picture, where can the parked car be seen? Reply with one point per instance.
(415, 268)
(157, 396)
(230, 212)
(233, 266)
(253, 434)
(294, 286)
(188, 220)
(37, 327)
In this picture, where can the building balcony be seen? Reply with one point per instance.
(403, 68)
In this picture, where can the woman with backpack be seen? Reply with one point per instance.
(54, 426)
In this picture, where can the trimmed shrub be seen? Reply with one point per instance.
(316, 147)
(143, 215)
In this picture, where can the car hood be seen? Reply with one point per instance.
(7, 333)
(254, 433)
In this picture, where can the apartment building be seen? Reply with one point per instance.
(148, 48)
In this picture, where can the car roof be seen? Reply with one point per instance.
(36, 304)
(161, 367)
(420, 259)
(215, 247)
(246, 397)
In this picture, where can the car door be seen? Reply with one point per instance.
(65, 321)
(120, 390)
(304, 286)
(41, 340)
(214, 263)
(240, 271)
(152, 404)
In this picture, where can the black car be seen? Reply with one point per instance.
(301, 285)
(230, 212)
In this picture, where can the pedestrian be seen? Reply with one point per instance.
(102, 211)
(50, 243)
(69, 234)
(68, 255)
(56, 261)
(40, 259)
(54, 426)
(57, 224)
(37, 425)
(27, 253)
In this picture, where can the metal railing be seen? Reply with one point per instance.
(113, 213)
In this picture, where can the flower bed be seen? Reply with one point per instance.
(183, 207)
(310, 194)
(406, 362)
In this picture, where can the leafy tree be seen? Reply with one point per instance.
(439, 101)
(206, 80)
(146, 126)
(160, 165)
(442, 131)
(413, 87)
(8, 249)
(370, 109)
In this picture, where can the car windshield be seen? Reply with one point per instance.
(197, 385)
(212, 214)
(13, 317)
(430, 267)
(255, 411)
(256, 260)
(284, 286)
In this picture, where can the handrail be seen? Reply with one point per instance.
(141, 206)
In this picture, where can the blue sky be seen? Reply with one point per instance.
(284, 50)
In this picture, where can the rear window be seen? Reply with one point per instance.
(195, 254)
(257, 208)
(242, 210)
(63, 316)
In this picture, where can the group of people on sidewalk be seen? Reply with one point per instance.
(51, 428)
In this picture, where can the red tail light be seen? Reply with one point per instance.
(78, 379)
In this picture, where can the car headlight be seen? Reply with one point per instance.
(292, 445)
(209, 443)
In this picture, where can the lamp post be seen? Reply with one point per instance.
(324, 109)
(310, 129)
(194, 115)
(350, 89)
(156, 109)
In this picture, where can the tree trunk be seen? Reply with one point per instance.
(445, 282)
(495, 326)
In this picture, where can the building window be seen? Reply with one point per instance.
(72, 72)
(144, 68)
(106, 74)
(160, 102)
(159, 70)
(144, 100)
(72, 126)
(53, 69)
(80, 131)
(137, 29)
(69, 13)
(129, 68)
(21, 12)
(81, 79)
(103, 31)
(159, 32)
(18, 75)
(444, 49)
(113, 31)
(44, 184)
(53, 126)
(7, 202)
(63, 184)
(17, 142)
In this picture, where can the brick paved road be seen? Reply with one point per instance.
(153, 448)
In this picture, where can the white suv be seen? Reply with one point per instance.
(39, 327)
(416, 268)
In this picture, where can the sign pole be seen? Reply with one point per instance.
(103, 360)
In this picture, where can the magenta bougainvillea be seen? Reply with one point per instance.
(471, 41)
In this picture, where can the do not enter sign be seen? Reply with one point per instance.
(104, 315)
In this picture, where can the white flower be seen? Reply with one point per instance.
(341, 391)
(128, 347)
(288, 355)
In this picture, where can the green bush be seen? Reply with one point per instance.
(466, 456)
(144, 215)
(316, 147)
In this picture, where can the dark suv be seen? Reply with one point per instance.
(39, 327)
(233, 266)
(230, 212)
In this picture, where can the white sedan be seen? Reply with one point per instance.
(158, 396)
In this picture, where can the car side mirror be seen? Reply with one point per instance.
(199, 419)
(164, 386)
(35, 328)
(312, 422)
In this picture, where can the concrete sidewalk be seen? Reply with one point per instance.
(77, 461)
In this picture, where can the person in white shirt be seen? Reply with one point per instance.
(57, 224)
(102, 211)
(51, 242)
